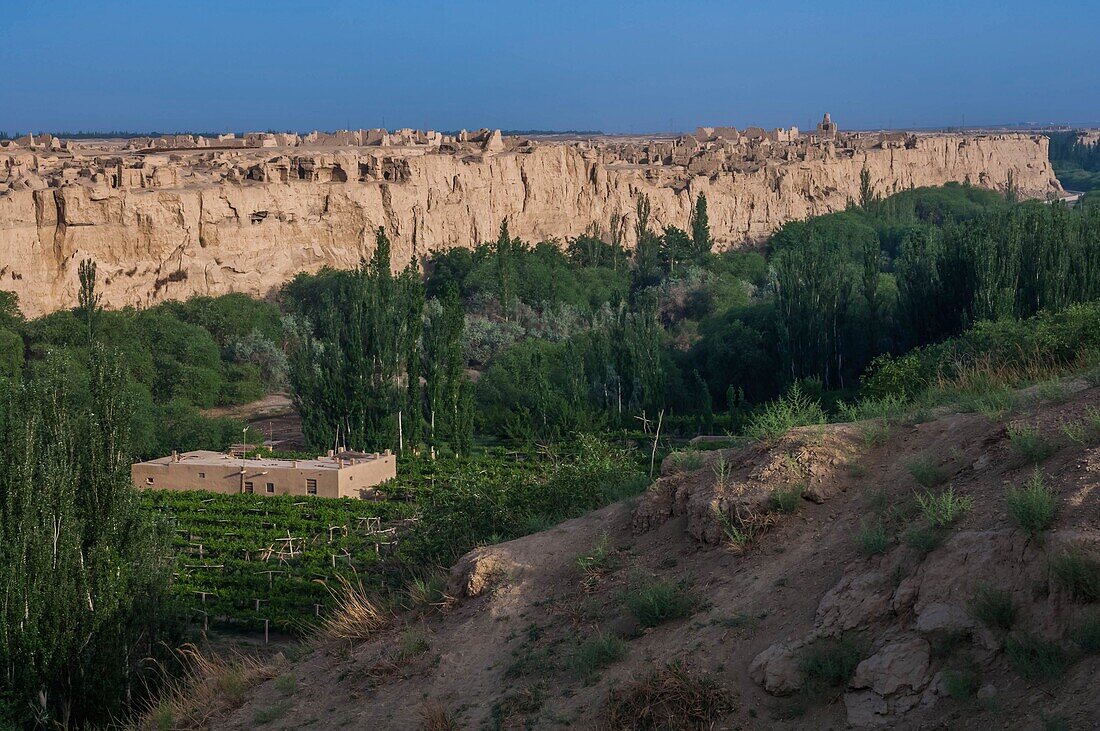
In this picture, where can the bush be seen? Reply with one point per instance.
(597, 652)
(926, 472)
(831, 662)
(993, 608)
(872, 539)
(786, 499)
(653, 602)
(1078, 574)
(1034, 506)
(1035, 659)
(1030, 443)
(1085, 633)
(779, 416)
(943, 508)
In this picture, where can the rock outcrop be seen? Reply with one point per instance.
(209, 221)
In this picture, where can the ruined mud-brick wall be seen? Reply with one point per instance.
(163, 243)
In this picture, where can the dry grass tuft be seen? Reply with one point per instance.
(434, 717)
(211, 687)
(356, 617)
(672, 697)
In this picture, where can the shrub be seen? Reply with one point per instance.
(786, 499)
(993, 607)
(922, 539)
(1078, 574)
(1085, 633)
(872, 539)
(943, 508)
(795, 408)
(723, 471)
(830, 662)
(961, 683)
(1034, 506)
(673, 697)
(653, 602)
(926, 472)
(1030, 443)
(597, 652)
(1035, 659)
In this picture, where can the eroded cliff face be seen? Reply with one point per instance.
(185, 239)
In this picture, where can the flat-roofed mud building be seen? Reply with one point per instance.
(342, 474)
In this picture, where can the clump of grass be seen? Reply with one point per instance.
(942, 509)
(1076, 432)
(922, 539)
(434, 717)
(599, 561)
(738, 531)
(271, 713)
(517, 704)
(1034, 506)
(1078, 574)
(1085, 632)
(412, 643)
(885, 407)
(993, 607)
(786, 499)
(831, 662)
(429, 590)
(597, 652)
(287, 684)
(795, 408)
(672, 697)
(653, 602)
(1035, 659)
(686, 461)
(872, 539)
(926, 472)
(961, 683)
(1030, 443)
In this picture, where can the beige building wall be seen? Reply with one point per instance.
(325, 477)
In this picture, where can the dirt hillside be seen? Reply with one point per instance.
(795, 583)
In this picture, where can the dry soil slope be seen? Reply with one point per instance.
(500, 656)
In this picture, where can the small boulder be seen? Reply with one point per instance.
(777, 669)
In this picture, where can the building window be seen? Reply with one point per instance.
(311, 487)
(202, 475)
(148, 480)
(271, 487)
(248, 487)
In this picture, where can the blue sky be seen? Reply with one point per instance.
(615, 66)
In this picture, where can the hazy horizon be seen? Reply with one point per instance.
(648, 67)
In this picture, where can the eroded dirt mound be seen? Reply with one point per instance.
(871, 600)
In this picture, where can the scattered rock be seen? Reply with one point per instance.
(477, 572)
(777, 669)
(855, 601)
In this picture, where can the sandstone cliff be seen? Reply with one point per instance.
(184, 236)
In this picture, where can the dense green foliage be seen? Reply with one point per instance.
(83, 571)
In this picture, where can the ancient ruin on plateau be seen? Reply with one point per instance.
(180, 215)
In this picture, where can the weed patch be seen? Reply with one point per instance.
(993, 607)
(786, 499)
(686, 461)
(1034, 506)
(795, 408)
(1030, 443)
(872, 539)
(1035, 659)
(922, 539)
(942, 509)
(653, 602)
(830, 663)
(1078, 574)
(1085, 632)
(673, 697)
(926, 472)
(595, 653)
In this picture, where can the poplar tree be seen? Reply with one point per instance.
(700, 229)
